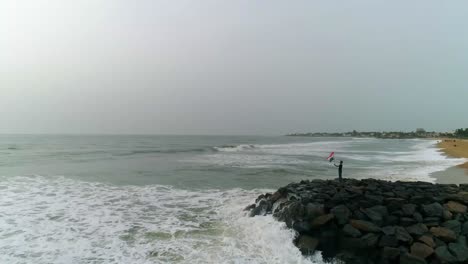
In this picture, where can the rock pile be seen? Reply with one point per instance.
(373, 221)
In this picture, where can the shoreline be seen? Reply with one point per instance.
(456, 148)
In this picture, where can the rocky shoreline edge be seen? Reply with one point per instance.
(373, 221)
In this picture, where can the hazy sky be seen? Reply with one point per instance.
(232, 67)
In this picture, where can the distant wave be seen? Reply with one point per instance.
(161, 151)
(235, 148)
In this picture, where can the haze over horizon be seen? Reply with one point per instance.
(237, 67)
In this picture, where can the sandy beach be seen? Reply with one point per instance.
(457, 148)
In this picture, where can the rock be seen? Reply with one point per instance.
(444, 234)
(447, 215)
(444, 255)
(421, 250)
(390, 252)
(459, 249)
(406, 221)
(433, 209)
(453, 225)
(321, 220)
(341, 213)
(350, 231)
(426, 239)
(374, 199)
(411, 259)
(370, 239)
(388, 230)
(465, 228)
(456, 207)
(365, 226)
(388, 241)
(418, 217)
(408, 209)
(307, 244)
(417, 229)
(302, 227)
(402, 235)
(374, 216)
(313, 210)
(249, 207)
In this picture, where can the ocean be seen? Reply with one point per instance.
(174, 199)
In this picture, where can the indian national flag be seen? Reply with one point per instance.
(331, 157)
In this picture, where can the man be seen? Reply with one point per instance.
(340, 169)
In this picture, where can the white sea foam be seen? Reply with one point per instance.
(58, 220)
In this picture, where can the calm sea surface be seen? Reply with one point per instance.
(173, 199)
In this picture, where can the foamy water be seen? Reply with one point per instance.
(57, 220)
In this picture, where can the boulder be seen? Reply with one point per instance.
(390, 253)
(341, 213)
(365, 226)
(388, 241)
(307, 244)
(421, 250)
(456, 207)
(321, 220)
(433, 209)
(444, 234)
(411, 259)
(465, 228)
(402, 235)
(453, 225)
(408, 209)
(370, 239)
(426, 239)
(350, 231)
(388, 230)
(374, 216)
(459, 249)
(313, 210)
(444, 255)
(417, 229)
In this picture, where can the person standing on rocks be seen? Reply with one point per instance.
(340, 169)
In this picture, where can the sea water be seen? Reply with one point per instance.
(173, 199)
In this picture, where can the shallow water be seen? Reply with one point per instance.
(172, 199)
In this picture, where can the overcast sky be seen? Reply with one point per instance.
(232, 67)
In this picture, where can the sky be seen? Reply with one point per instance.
(232, 67)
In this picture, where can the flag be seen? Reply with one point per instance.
(331, 157)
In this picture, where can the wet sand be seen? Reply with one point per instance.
(456, 148)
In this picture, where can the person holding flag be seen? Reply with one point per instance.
(331, 158)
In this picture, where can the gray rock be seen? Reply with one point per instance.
(388, 230)
(390, 252)
(365, 226)
(408, 209)
(321, 220)
(459, 249)
(453, 225)
(417, 229)
(411, 259)
(374, 216)
(342, 214)
(426, 239)
(307, 244)
(433, 209)
(465, 228)
(350, 231)
(456, 207)
(302, 226)
(418, 217)
(421, 250)
(444, 234)
(388, 241)
(406, 221)
(402, 235)
(444, 254)
(313, 210)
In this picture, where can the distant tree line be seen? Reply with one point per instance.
(461, 133)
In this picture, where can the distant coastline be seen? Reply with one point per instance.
(419, 133)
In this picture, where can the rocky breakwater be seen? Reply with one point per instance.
(373, 221)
